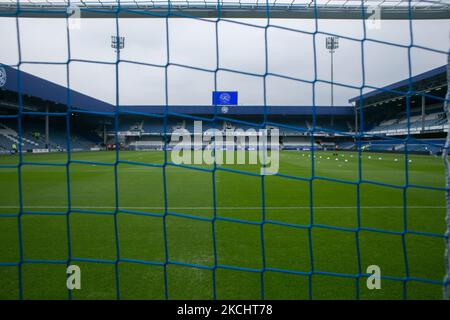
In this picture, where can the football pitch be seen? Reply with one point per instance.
(188, 233)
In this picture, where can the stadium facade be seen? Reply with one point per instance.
(382, 119)
(412, 108)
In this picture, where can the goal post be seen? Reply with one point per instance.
(294, 9)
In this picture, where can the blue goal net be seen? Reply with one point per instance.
(115, 118)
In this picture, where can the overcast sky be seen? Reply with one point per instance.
(241, 47)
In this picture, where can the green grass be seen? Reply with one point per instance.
(238, 196)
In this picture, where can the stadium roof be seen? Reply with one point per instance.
(36, 87)
(401, 87)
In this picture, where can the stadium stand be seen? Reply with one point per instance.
(390, 111)
(435, 120)
(426, 119)
(34, 136)
(10, 136)
(425, 112)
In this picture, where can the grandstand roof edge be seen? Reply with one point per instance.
(395, 85)
(31, 85)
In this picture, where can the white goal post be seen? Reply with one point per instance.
(279, 9)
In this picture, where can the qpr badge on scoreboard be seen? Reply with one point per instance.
(225, 98)
(2, 76)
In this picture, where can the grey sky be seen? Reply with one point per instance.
(192, 42)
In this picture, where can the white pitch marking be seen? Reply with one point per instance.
(224, 208)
